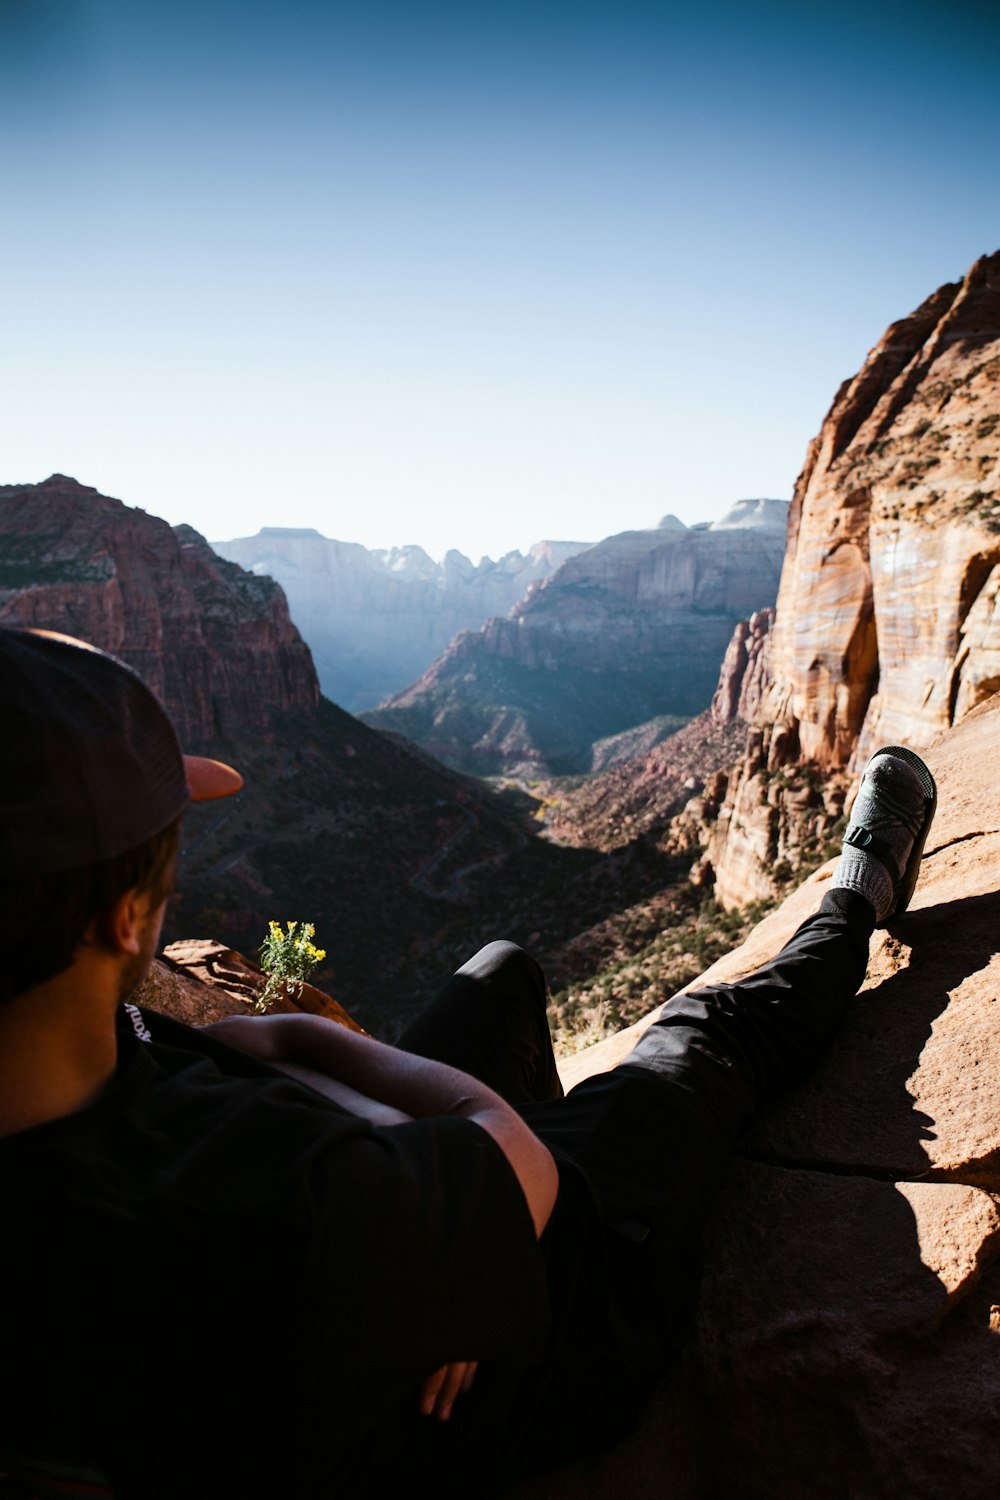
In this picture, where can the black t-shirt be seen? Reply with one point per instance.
(218, 1282)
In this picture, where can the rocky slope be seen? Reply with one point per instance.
(630, 630)
(846, 1341)
(376, 619)
(214, 643)
(887, 625)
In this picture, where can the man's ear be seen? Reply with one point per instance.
(120, 928)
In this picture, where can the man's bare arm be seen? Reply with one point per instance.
(348, 1098)
(413, 1085)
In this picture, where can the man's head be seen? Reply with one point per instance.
(92, 789)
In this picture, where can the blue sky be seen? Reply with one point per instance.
(468, 274)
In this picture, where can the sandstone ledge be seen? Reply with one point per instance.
(199, 981)
(848, 1337)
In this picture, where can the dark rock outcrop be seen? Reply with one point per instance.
(630, 630)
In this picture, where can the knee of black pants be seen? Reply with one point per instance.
(504, 963)
(653, 1151)
(490, 1020)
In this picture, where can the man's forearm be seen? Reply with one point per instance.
(415, 1085)
(412, 1084)
(342, 1094)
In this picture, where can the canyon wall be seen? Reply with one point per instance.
(632, 629)
(214, 643)
(639, 795)
(376, 619)
(887, 626)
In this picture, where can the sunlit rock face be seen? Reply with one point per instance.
(634, 628)
(887, 626)
(376, 619)
(745, 674)
(213, 642)
(894, 534)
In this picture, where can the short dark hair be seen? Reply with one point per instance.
(43, 918)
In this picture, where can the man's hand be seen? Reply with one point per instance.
(438, 1392)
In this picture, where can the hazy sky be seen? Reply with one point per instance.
(468, 274)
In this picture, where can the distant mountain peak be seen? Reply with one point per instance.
(670, 523)
(756, 515)
(632, 629)
(291, 531)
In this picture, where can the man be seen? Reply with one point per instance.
(398, 1270)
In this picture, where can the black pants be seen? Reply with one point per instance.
(655, 1133)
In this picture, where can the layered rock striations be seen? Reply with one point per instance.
(632, 629)
(214, 643)
(745, 674)
(376, 619)
(887, 625)
(895, 531)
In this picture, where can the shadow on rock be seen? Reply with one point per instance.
(904, 1091)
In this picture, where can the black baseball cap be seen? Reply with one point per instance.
(89, 762)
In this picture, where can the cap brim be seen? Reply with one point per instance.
(208, 779)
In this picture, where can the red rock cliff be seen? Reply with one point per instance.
(215, 643)
(885, 614)
(887, 626)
